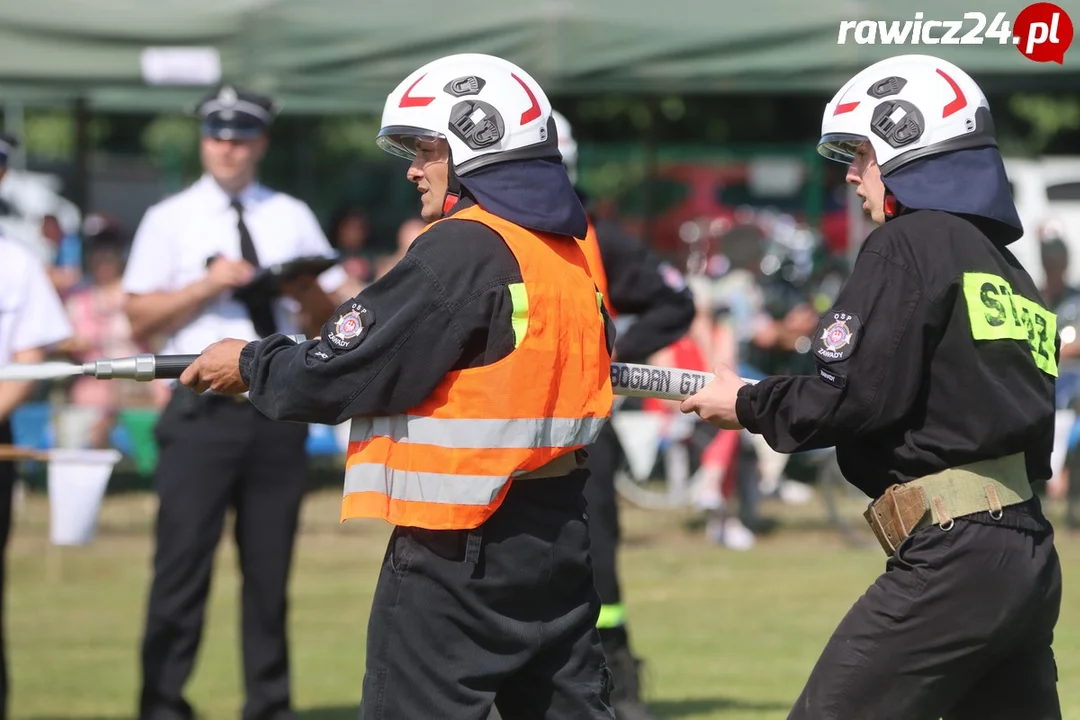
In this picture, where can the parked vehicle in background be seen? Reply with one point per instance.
(1044, 190)
(711, 193)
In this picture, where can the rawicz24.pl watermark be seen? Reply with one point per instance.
(1041, 32)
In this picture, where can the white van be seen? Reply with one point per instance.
(1043, 190)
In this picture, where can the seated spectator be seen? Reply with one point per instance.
(716, 486)
(65, 270)
(101, 329)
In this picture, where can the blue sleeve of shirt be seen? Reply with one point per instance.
(70, 252)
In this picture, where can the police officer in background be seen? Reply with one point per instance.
(32, 321)
(634, 282)
(474, 371)
(191, 253)
(935, 382)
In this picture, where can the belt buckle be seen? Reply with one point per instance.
(873, 519)
(887, 516)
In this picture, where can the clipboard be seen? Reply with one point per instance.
(266, 285)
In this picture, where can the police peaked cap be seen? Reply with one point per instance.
(229, 113)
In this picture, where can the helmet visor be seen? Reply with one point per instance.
(406, 142)
(840, 147)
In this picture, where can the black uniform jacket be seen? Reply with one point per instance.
(938, 352)
(641, 284)
(445, 306)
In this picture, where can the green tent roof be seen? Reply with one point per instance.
(345, 55)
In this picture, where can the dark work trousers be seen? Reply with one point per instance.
(217, 453)
(505, 613)
(958, 627)
(7, 485)
(605, 455)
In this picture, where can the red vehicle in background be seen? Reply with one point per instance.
(714, 194)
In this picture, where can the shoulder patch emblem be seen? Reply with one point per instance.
(350, 326)
(836, 337)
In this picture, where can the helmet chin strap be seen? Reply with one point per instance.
(453, 189)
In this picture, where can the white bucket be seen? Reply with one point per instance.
(639, 433)
(77, 481)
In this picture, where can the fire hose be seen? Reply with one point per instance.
(627, 379)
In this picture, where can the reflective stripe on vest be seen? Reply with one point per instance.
(479, 433)
(591, 247)
(448, 462)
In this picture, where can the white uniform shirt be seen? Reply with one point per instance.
(179, 234)
(31, 314)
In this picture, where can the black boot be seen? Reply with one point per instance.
(626, 677)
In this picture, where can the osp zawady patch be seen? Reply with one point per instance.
(350, 327)
(836, 336)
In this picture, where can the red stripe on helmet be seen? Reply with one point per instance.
(408, 100)
(534, 110)
(959, 102)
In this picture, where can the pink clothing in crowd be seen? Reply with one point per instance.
(102, 330)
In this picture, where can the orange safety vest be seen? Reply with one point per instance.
(447, 463)
(591, 246)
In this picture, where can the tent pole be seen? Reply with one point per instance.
(14, 123)
(79, 190)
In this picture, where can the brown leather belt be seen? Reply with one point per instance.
(985, 486)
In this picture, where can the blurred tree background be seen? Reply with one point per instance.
(331, 161)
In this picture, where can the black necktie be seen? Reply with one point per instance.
(260, 310)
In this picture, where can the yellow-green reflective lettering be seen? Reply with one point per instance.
(998, 313)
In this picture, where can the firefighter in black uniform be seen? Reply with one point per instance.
(935, 383)
(635, 283)
(474, 372)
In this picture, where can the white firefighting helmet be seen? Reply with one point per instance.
(908, 107)
(567, 144)
(489, 110)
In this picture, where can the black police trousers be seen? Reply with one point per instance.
(958, 627)
(503, 614)
(217, 453)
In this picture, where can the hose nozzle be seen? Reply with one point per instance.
(141, 367)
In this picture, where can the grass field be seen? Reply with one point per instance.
(725, 635)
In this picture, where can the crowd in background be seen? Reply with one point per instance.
(760, 282)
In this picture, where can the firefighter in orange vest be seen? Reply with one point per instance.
(653, 297)
(475, 373)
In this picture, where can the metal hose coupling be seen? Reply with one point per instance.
(141, 367)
